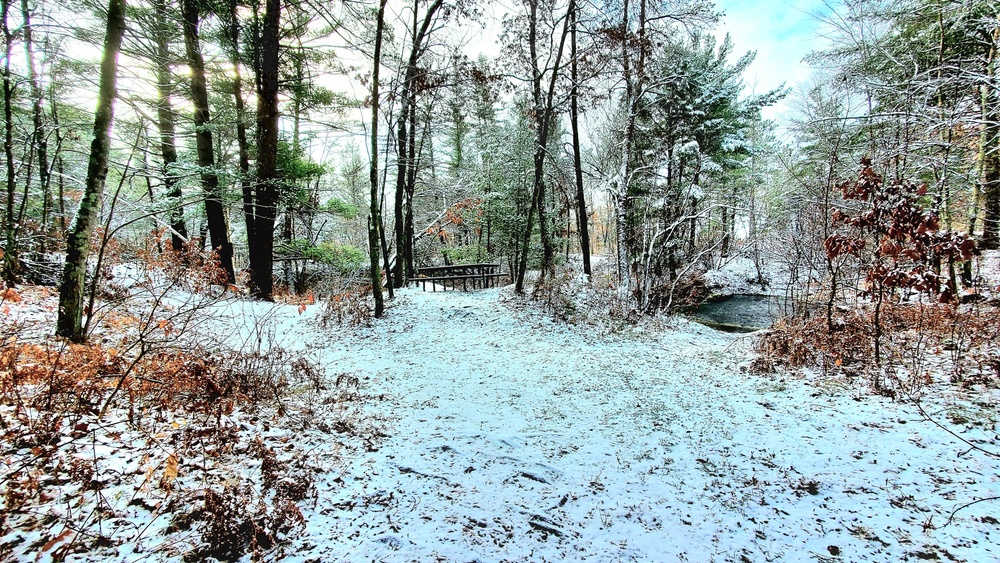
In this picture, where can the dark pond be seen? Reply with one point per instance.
(740, 313)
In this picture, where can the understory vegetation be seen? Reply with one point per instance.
(175, 168)
(155, 434)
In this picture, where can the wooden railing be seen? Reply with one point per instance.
(464, 276)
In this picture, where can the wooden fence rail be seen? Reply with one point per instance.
(468, 276)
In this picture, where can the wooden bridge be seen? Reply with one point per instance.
(464, 276)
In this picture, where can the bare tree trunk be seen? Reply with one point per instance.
(621, 195)
(989, 149)
(406, 146)
(39, 140)
(69, 322)
(543, 119)
(374, 216)
(57, 161)
(10, 259)
(231, 31)
(411, 184)
(218, 227)
(165, 126)
(266, 187)
(574, 112)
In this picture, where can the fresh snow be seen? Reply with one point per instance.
(519, 438)
(483, 430)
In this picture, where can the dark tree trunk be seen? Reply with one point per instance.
(57, 162)
(165, 126)
(416, 155)
(70, 316)
(374, 216)
(406, 150)
(543, 119)
(232, 35)
(266, 200)
(10, 260)
(39, 138)
(726, 237)
(218, 227)
(402, 163)
(989, 150)
(536, 93)
(411, 184)
(574, 114)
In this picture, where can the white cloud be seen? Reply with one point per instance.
(782, 33)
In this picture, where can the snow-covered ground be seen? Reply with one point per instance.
(517, 439)
(481, 430)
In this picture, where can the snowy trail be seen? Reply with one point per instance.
(521, 439)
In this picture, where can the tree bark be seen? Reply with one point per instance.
(411, 180)
(69, 320)
(57, 160)
(10, 259)
(39, 139)
(218, 227)
(374, 216)
(406, 146)
(231, 32)
(633, 94)
(543, 119)
(574, 114)
(165, 126)
(266, 186)
(989, 149)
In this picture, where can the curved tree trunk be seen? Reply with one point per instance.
(69, 322)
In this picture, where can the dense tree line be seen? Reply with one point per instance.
(212, 109)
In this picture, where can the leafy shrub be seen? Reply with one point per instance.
(340, 207)
(896, 240)
(344, 259)
(465, 254)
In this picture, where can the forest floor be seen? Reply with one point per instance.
(471, 427)
(517, 438)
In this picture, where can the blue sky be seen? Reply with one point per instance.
(782, 33)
